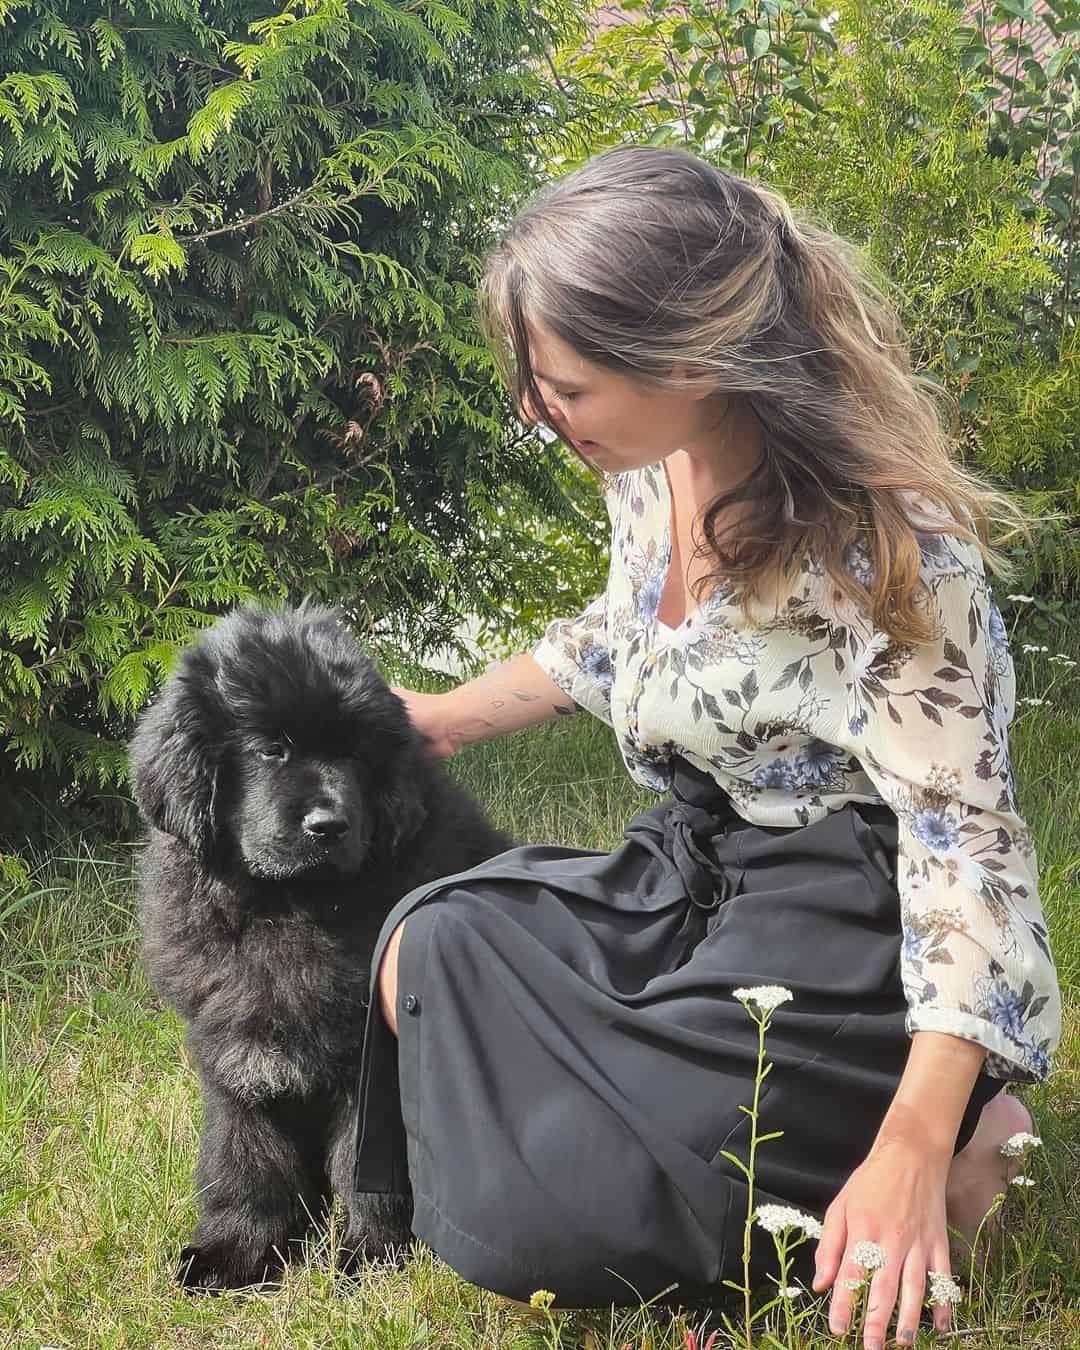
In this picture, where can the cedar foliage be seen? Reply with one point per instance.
(239, 243)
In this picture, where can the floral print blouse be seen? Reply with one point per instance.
(813, 708)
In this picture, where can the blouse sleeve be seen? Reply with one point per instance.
(929, 725)
(575, 653)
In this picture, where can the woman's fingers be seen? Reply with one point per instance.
(880, 1302)
(940, 1262)
(843, 1299)
(902, 1276)
(830, 1248)
(912, 1297)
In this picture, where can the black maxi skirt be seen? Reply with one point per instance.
(571, 1062)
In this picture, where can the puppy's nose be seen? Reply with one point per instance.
(325, 823)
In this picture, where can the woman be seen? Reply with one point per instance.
(798, 647)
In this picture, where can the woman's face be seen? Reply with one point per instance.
(614, 420)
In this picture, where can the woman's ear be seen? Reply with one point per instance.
(175, 756)
(693, 385)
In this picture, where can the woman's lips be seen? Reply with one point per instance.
(578, 445)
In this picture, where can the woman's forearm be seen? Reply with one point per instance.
(517, 693)
(933, 1092)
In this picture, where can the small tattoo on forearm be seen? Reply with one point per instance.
(475, 728)
(566, 711)
(523, 697)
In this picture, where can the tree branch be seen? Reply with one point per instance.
(248, 221)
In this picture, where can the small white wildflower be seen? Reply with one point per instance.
(868, 1255)
(943, 1288)
(766, 996)
(775, 1218)
(1022, 1181)
(853, 1285)
(1022, 599)
(1018, 1144)
(1032, 702)
(789, 1291)
(1063, 660)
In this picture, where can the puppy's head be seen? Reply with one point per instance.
(277, 743)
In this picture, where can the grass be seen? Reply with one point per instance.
(99, 1114)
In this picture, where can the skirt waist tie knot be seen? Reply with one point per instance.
(696, 823)
(688, 840)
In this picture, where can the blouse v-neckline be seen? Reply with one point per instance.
(667, 507)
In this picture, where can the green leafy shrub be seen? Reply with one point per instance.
(238, 252)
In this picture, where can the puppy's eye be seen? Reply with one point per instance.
(276, 750)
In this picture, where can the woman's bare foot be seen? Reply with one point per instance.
(979, 1172)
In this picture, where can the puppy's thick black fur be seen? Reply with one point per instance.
(292, 804)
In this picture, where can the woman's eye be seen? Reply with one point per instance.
(566, 398)
(275, 750)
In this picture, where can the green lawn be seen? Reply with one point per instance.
(99, 1110)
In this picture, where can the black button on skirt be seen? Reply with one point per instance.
(571, 1060)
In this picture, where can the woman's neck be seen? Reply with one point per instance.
(723, 457)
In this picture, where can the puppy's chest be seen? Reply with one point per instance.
(296, 1021)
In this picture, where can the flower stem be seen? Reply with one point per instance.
(758, 1077)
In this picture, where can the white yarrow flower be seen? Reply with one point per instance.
(943, 1288)
(789, 1291)
(775, 1218)
(868, 1255)
(766, 996)
(1022, 599)
(853, 1285)
(1022, 1181)
(1018, 1144)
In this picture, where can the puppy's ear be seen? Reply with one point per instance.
(175, 756)
(401, 797)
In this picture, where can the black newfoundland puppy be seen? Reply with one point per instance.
(292, 804)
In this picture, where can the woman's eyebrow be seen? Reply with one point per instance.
(549, 379)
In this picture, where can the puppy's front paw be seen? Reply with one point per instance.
(357, 1249)
(215, 1266)
(379, 1230)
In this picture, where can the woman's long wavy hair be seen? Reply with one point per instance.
(646, 259)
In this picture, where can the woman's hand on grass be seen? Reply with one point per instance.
(894, 1201)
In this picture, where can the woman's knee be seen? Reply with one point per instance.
(448, 920)
(388, 981)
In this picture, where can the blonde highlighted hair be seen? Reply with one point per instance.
(647, 258)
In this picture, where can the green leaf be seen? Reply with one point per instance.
(794, 90)
(756, 41)
(158, 254)
(1020, 9)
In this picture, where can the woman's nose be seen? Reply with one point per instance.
(551, 416)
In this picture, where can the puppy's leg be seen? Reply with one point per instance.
(379, 1226)
(257, 1191)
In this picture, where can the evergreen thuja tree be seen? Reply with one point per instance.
(238, 251)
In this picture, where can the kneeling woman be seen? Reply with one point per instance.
(798, 648)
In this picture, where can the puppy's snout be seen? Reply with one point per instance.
(325, 824)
